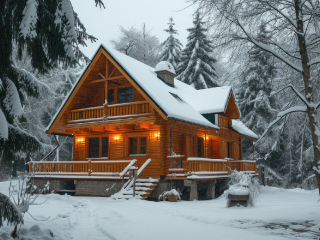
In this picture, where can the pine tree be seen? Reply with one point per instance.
(253, 98)
(254, 91)
(171, 46)
(47, 32)
(197, 64)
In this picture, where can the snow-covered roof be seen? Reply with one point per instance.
(239, 127)
(181, 102)
(160, 92)
(164, 65)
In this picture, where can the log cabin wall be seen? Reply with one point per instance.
(119, 148)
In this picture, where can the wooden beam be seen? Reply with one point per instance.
(135, 85)
(98, 80)
(106, 82)
(76, 90)
(107, 79)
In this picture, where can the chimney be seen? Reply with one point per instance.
(165, 71)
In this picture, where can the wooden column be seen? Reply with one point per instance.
(253, 148)
(105, 104)
(106, 82)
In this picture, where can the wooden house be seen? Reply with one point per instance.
(122, 113)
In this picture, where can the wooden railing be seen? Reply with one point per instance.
(140, 107)
(218, 167)
(114, 110)
(86, 113)
(197, 165)
(86, 168)
(243, 165)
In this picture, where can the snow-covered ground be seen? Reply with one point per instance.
(278, 214)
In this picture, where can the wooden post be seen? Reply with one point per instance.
(89, 167)
(134, 186)
(30, 167)
(205, 143)
(253, 148)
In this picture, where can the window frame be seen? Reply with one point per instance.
(100, 147)
(116, 93)
(138, 154)
(201, 150)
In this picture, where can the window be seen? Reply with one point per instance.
(98, 147)
(229, 149)
(125, 95)
(138, 146)
(93, 147)
(104, 147)
(200, 145)
(111, 96)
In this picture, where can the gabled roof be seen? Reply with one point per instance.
(189, 105)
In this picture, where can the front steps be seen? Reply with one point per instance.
(143, 189)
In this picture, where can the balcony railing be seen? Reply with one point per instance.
(201, 168)
(86, 113)
(244, 165)
(110, 111)
(140, 107)
(84, 168)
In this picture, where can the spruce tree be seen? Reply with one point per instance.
(197, 63)
(254, 91)
(171, 46)
(253, 99)
(49, 33)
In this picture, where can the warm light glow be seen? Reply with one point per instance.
(80, 139)
(157, 135)
(116, 138)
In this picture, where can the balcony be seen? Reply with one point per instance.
(109, 112)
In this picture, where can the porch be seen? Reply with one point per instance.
(197, 169)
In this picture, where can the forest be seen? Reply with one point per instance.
(266, 50)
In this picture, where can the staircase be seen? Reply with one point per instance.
(143, 189)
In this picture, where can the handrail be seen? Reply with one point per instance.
(129, 183)
(84, 109)
(143, 166)
(119, 168)
(127, 168)
(206, 159)
(127, 104)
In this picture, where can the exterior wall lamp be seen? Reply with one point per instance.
(116, 138)
(157, 136)
(80, 140)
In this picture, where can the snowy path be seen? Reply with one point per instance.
(280, 214)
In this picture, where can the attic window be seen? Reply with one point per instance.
(176, 97)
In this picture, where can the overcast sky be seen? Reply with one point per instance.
(104, 23)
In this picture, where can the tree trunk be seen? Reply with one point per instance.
(308, 87)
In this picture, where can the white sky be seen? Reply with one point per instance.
(104, 23)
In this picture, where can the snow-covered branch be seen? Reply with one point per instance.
(281, 115)
(268, 49)
(290, 20)
(298, 94)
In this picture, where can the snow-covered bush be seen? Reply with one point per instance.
(243, 181)
(171, 196)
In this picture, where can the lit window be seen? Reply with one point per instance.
(138, 146)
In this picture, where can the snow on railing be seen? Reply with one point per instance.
(127, 168)
(206, 159)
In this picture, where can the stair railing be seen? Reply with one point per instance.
(129, 183)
